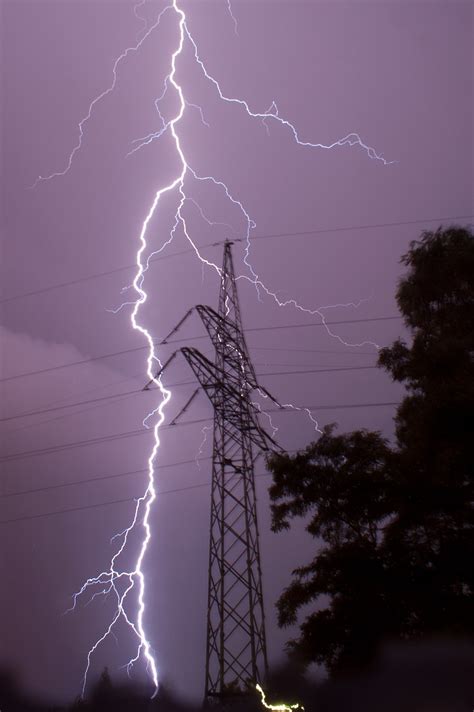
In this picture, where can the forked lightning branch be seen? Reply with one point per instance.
(127, 584)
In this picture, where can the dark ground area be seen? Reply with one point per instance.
(436, 677)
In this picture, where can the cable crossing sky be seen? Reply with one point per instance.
(122, 581)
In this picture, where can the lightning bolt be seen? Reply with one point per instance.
(119, 580)
(281, 707)
(136, 12)
(233, 18)
(205, 430)
(99, 97)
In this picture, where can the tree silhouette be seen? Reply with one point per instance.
(395, 525)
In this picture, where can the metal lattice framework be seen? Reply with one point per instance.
(236, 656)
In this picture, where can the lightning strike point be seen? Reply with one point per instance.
(281, 707)
(117, 580)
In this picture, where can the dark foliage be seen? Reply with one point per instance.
(395, 526)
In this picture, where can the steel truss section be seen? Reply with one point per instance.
(236, 657)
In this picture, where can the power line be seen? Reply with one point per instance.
(195, 338)
(53, 409)
(141, 431)
(299, 326)
(63, 511)
(76, 444)
(72, 363)
(100, 478)
(169, 385)
(336, 406)
(312, 351)
(97, 275)
(109, 502)
(301, 233)
(326, 323)
(159, 467)
(349, 228)
(93, 441)
(293, 364)
(318, 370)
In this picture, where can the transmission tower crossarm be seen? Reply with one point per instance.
(178, 326)
(222, 329)
(185, 407)
(236, 657)
(160, 371)
(209, 376)
(216, 385)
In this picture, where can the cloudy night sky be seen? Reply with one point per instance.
(330, 228)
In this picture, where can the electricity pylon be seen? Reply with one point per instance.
(236, 655)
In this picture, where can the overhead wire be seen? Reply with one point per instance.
(109, 502)
(79, 362)
(90, 277)
(142, 431)
(193, 338)
(311, 351)
(349, 228)
(318, 370)
(53, 409)
(292, 234)
(115, 398)
(99, 478)
(174, 385)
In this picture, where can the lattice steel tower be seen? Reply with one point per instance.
(236, 656)
(236, 646)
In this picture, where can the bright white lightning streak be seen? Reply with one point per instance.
(291, 406)
(138, 16)
(273, 109)
(99, 98)
(272, 113)
(255, 279)
(112, 576)
(308, 413)
(152, 358)
(201, 113)
(155, 134)
(281, 707)
(110, 579)
(234, 19)
(210, 222)
(206, 429)
(258, 407)
(352, 139)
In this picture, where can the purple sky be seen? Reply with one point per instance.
(399, 73)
